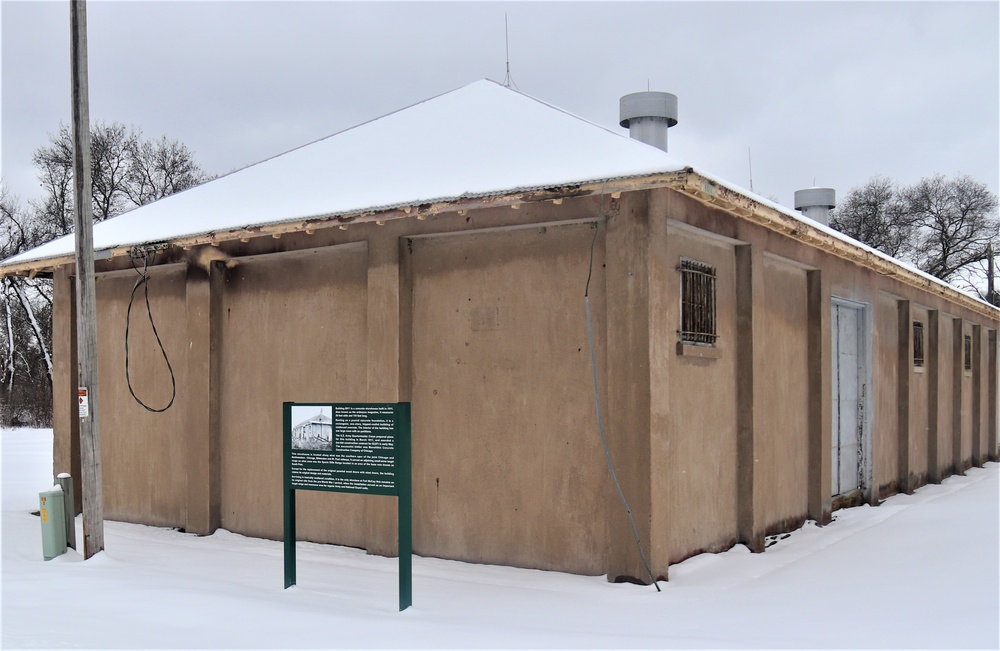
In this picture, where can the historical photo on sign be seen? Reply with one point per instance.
(312, 427)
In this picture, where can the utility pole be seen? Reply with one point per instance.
(991, 293)
(86, 301)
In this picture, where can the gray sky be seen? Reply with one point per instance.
(831, 93)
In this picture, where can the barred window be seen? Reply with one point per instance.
(697, 303)
(968, 353)
(918, 343)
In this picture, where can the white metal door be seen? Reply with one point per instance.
(848, 398)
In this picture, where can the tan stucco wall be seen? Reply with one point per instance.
(695, 457)
(782, 397)
(144, 452)
(485, 333)
(293, 329)
(508, 466)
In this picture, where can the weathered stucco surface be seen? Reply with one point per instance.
(477, 318)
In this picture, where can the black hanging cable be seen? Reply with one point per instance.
(597, 400)
(143, 281)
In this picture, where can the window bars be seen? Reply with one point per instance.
(697, 303)
(918, 343)
(968, 353)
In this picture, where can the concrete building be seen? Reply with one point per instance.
(313, 433)
(754, 368)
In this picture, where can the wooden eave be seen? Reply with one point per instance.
(420, 211)
(703, 189)
(711, 193)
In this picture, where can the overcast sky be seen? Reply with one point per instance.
(819, 93)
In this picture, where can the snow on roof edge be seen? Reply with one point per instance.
(21, 258)
(843, 237)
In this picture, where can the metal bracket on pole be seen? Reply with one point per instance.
(65, 481)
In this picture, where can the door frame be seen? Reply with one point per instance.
(865, 330)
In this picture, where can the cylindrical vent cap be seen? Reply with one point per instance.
(815, 198)
(649, 104)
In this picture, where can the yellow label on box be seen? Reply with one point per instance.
(45, 515)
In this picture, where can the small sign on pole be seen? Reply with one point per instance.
(350, 448)
(84, 399)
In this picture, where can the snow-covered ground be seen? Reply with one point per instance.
(917, 571)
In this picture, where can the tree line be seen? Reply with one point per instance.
(128, 170)
(946, 227)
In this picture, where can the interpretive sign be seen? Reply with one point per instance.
(349, 448)
(350, 451)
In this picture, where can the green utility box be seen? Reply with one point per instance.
(52, 508)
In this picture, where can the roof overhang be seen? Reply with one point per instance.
(697, 185)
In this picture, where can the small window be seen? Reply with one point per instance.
(697, 303)
(968, 353)
(918, 343)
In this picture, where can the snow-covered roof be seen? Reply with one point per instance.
(479, 140)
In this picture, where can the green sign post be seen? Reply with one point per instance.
(350, 448)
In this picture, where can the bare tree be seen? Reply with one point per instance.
(875, 214)
(946, 227)
(54, 212)
(160, 168)
(27, 333)
(9, 349)
(36, 329)
(128, 171)
(16, 233)
(956, 223)
(111, 147)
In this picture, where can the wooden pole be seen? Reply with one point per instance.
(991, 294)
(86, 320)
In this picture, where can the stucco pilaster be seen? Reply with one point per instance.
(907, 478)
(820, 397)
(932, 367)
(384, 377)
(203, 298)
(978, 458)
(662, 346)
(749, 279)
(627, 419)
(958, 364)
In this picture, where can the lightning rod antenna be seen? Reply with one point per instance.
(750, 164)
(508, 81)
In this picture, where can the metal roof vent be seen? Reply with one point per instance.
(816, 203)
(648, 115)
